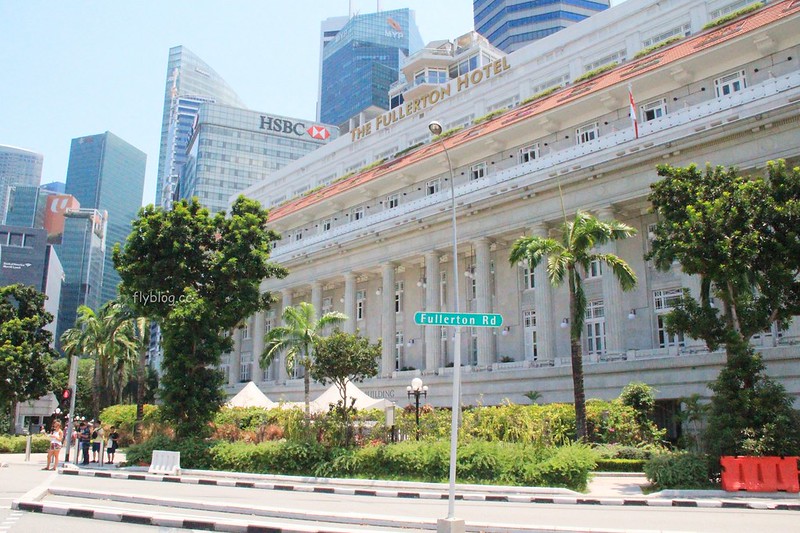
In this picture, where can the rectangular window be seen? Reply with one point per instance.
(682, 30)
(528, 281)
(665, 300)
(398, 296)
(477, 171)
(298, 236)
(653, 110)
(729, 84)
(529, 153)
(327, 305)
(587, 133)
(15, 239)
(225, 367)
(665, 340)
(357, 214)
(432, 187)
(245, 330)
(529, 322)
(595, 269)
(246, 367)
(443, 288)
(618, 56)
(398, 350)
(392, 201)
(361, 302)
(326, 225)
(595, 327)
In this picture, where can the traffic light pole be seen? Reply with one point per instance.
(72, 385)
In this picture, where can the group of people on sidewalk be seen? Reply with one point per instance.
(90, 436)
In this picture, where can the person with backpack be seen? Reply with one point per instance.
(97, 442)
(84, 437)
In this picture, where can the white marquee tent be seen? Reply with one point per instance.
(251, 396)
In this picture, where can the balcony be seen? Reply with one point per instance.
(674, 127)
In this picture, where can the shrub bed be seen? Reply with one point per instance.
(620, 465)
(679, 471)
(16, 443)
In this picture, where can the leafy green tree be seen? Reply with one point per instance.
(739, 235)
(568, 258)
(296, 339)
(342, 358)
(197, 276)
(641, 398)
(25, 351)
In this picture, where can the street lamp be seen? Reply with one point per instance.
(416, 389)
(451, 523)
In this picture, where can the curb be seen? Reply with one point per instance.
(441, 495)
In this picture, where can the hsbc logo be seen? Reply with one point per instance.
(318, 132)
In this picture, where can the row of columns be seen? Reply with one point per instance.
(543, 303)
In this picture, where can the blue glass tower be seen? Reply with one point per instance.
(362, 61)
(106, 173)
(18, 167)
(511, 24)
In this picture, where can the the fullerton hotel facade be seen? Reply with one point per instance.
(366, 222)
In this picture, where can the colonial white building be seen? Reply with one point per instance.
(373, 237)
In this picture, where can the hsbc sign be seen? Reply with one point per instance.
(282, 125)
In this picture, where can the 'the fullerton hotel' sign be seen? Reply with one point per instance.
(412, 107)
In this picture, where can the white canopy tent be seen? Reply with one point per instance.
(331, 396)
(251, 396)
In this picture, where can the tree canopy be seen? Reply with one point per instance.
(25, 346)
(198, 277)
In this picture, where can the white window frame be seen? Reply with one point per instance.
(298, 235)
(361, 303)
(478, 171)
(357, 213)
(245, 366)
(392, 201)
(528, 153)
(327, 305)
(587, 133)
(433, 186)
(443, 289)
(398, 349)
(595, 270)
(326, 225)
(528, 278)
(245, 330)
(657, 108)
(399, 287)
(595, 327)
(530, 328)
(728, 84)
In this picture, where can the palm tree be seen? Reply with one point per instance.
(568, 258)
(296, 339)
(88, 337)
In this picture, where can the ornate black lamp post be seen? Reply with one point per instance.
(416, 389)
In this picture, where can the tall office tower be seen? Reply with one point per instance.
(511, 24)
(83, 253)
(189, 81)
(18, 167)
(24, 206)
(106, 173)
(241, 147)
(328, 30)
(362, 61)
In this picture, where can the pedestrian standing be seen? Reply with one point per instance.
(97, 442)
(84, 436)
(111, 445)
(56, 441)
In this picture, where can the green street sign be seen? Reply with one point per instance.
(473, 320)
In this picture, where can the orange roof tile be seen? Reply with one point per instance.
(621, 74)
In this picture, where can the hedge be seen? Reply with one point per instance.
(478, 462)
(679, 471)
(16, 443)
(620, 465)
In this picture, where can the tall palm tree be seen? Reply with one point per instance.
(569, 258)
(296, 340)
(88, 337)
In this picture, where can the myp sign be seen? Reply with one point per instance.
(472, 320)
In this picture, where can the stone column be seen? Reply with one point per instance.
(258, 344)
(281, 373)
(389, 324)
(433, 335)
(483, 293)
(350, 302)
(236, 357)
(316, 297)
(612, 295)
(543, 300)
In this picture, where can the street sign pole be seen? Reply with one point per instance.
(72, 385)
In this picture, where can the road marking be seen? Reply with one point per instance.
(10, 520)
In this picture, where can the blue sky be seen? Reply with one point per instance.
(79, 67)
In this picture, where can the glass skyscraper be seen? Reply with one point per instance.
(511, 24)
(232, 148)
(190, 81)
(106, 173)
(18, 167)
(362, 61)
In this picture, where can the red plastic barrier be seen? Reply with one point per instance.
(759, 474)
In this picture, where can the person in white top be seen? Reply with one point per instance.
(56, 441)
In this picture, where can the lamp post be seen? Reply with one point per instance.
(451, 523)
(417, 389)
